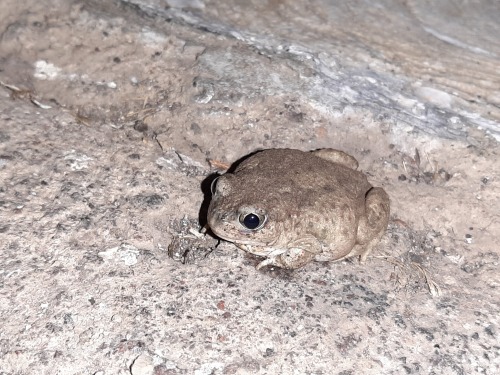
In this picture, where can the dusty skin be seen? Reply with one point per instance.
(114, 115)
(292, 207)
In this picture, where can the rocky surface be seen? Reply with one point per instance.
(114, 116)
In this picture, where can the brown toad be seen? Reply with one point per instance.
(292, 207)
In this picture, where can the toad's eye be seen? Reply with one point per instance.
(252, 221)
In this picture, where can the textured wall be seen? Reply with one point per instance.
(113, 115)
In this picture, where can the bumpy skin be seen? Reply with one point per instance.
(315, 205)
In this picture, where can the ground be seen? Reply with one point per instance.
(115, 115)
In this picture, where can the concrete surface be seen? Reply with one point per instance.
(114, 115)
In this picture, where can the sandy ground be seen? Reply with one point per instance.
(113, 120)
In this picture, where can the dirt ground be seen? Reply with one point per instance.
(113, 117)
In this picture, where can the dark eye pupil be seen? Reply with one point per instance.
(251, 221)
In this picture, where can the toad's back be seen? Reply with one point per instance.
(302, 177)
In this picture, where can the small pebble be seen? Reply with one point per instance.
(143, 365)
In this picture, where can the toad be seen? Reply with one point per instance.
(292, 207)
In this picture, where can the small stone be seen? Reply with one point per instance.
(269, 352)
(195, 128)
(126, 253)
(143, 365)
(140, 126)
(170, 311)
(434, 96)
